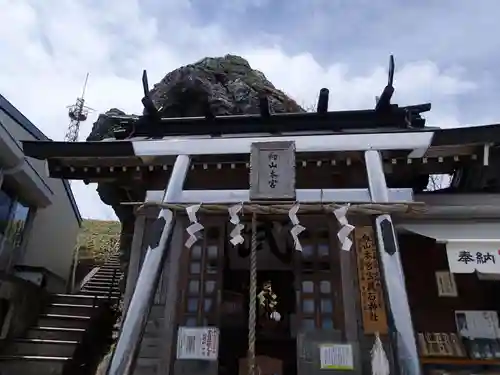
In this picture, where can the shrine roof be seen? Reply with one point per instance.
(427, 151)
(441, 141)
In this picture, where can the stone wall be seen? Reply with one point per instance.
(26, 303)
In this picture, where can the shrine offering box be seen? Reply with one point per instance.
(267, 366)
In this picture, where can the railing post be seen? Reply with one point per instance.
(392, 271)
(127, 347)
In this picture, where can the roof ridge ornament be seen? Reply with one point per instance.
(384, 100)
(150, 109)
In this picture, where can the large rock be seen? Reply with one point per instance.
(103, 128)
(230, 86)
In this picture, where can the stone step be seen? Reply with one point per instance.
(113, 294)
(103, 281)
(101, 292)
(93, 289)
(66, 321)
(103, 286)
(41, 347)
(32, 365)
(76, 299)
(106, 275)
(70, 309)
(113, 262)
(111, 265)
(55, 333)
(104, 278)
(110, 269)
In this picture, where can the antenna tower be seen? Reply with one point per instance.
(77, 113)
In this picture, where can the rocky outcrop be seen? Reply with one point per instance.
(227, 84)
(103, 128)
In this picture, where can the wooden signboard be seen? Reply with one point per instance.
(370, 288)
(272, 170)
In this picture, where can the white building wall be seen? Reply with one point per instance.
(52, 238)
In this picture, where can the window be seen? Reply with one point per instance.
(203, 280)
(319, 278)
(6, 204)
(15, 229)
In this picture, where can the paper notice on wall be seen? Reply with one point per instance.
(201, 343)
(478, 324)
(336, 357)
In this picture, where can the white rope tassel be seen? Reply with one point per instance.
(236, 237)
(345, 227)
(380, 363)
(297, 228)
(195, 227)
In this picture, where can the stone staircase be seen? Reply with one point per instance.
(105, 282)
(51, 343)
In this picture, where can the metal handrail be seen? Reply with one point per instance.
(134, 325)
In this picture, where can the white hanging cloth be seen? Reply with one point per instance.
(195, 227)
(296, 228)
(345, 227)
(235, 235)
(380, 363)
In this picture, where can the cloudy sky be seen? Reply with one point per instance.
(446, 52)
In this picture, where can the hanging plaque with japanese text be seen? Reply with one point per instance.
(370, 287)
(469, 257)
(272, 170)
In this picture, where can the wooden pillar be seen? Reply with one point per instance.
(171, 282)
(349, 290)
(134, 264)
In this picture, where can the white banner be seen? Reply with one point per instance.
(201, 343)
(469, 257)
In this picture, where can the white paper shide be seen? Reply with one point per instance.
(345, 228)
(195, 227)
(199, 343)
(236, 238)
(296, 227)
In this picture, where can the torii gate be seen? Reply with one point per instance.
(377, 193)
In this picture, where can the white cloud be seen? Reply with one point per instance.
(47, 47)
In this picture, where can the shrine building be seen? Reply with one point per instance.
(344, 238)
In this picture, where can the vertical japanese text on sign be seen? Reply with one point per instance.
(273, 167)
(272, 170)
(372, 299)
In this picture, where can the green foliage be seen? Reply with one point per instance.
(98, 239)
